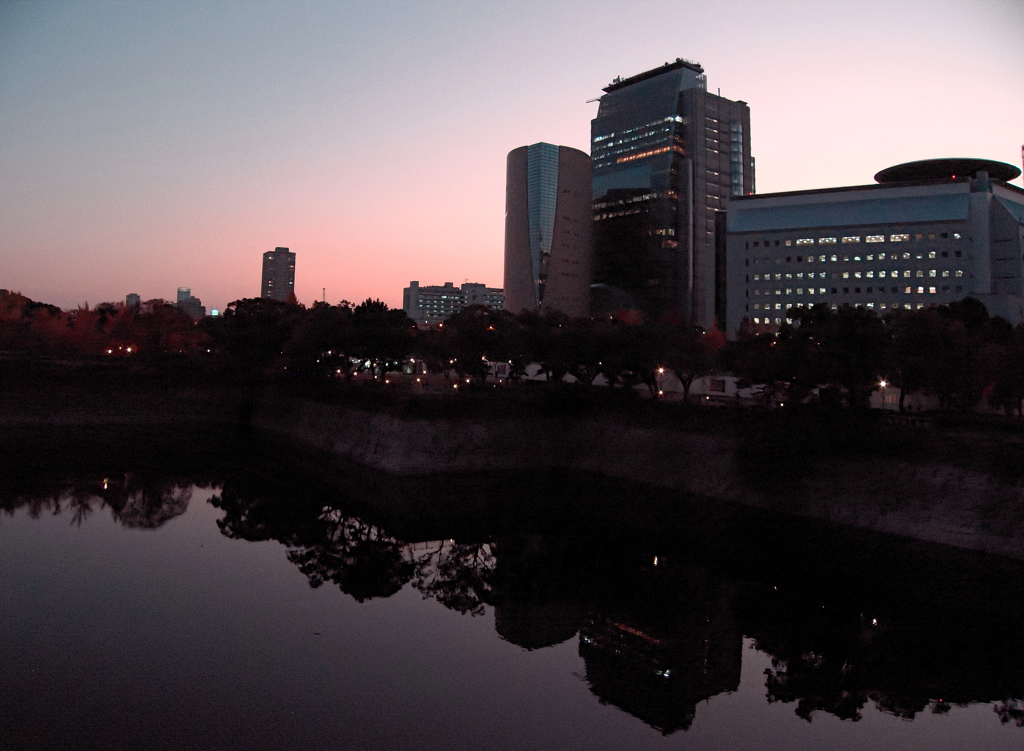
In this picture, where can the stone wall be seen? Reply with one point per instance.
(949, 496)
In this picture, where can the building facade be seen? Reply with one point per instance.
(429, 305)
(928, 233)
(667, 156)
(278, 274)
(548, 230)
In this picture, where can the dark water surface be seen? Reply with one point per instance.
(197, 591)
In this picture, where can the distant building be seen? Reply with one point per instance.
(548, 227)
(193, 306)
(278, 274)
(435, 304)
(184, 293)
(667, 155)
(132, 300)
(928, 233)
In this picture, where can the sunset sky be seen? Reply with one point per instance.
(150, 145)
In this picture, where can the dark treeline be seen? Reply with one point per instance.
(956, 353)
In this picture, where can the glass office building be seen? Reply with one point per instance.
(667, 155)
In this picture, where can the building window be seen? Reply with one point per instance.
(875, 239)
(851, 239)
(805, 241)
(826, 241)
(899, 238)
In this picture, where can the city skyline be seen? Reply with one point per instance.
(147, 143)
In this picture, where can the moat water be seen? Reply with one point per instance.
(175, 598)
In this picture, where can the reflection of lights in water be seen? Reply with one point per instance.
(655, 560)
(104, 483)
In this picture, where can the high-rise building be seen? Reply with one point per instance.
(278, 274)
(667, 156)
(132, 299)
(184, 293)
(434, 304)
(548, 227)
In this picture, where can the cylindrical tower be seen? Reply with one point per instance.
(548, 220)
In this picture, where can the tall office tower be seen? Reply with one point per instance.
(132, 299)
(184, 293)
(548, 226)
(667, 155)
(278, 274)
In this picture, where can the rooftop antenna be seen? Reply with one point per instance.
(325, 294)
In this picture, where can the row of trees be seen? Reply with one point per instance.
(957, 352)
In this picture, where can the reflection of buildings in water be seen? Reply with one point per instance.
(658, 669)
(149, 508)
(534, 625)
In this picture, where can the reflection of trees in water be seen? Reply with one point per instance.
(657, 639)
(926, 652)
(456, 575)
(358, 557)
(135, 501)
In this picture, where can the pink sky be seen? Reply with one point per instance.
(150, 145)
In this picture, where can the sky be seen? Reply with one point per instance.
(149, 145)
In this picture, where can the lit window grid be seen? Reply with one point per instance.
(855, 270)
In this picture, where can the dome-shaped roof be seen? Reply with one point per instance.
(946, 169)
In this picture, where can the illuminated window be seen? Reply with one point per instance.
(856, 275)
(789, 243)
(821, 290)
(907, 290)
(959, 273)
(931, 290)
(932, 272)
(906, 274)
(856, 258)
(871, 275)
(932, 254)
(846, 275)
(799, 290)
(920, 273)
(757, 320)
(851, 239)
(881, 274)
(899, 238)
(945, 272)
(956, 235)
(906, 256)
(810, 259)
(881, 256)
(826, 241)
(875, 239)
(757, 277)
(920, 290)
(835, 258)
(822, 258)
(805, 241)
